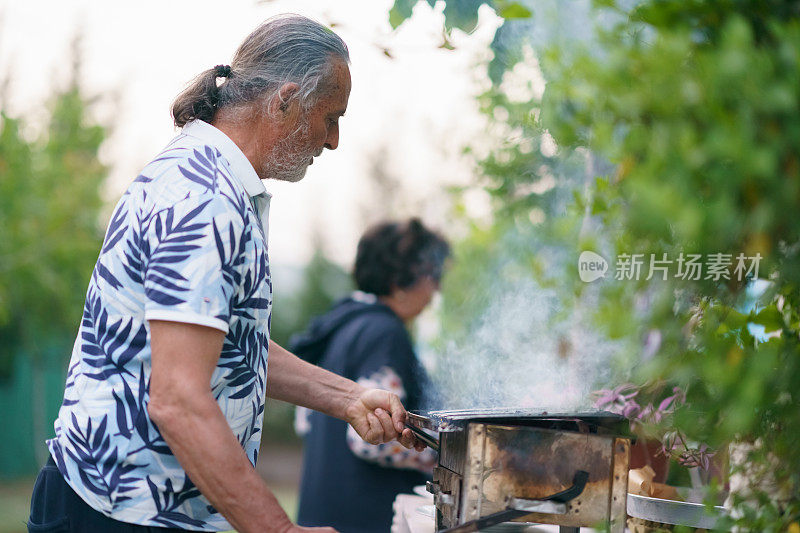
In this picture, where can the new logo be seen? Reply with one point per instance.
(591, 266)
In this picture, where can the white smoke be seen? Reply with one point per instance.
(533, 346)
(524, 352)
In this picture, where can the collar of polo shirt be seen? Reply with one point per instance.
(242, 169)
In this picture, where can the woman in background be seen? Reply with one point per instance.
(348, 484)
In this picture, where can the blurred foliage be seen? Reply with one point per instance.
(694, 106)
(463, 15)
(699, 111)
(49, 224)
(323, 282)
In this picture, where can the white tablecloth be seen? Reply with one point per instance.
(410, 518)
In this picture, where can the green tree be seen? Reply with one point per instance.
(323, 282)
(695, 106)
(701, 118)
(49, 224)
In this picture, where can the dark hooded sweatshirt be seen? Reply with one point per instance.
(354, 339)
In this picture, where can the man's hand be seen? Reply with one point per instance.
(378, 416)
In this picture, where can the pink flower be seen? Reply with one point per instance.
(617, 399)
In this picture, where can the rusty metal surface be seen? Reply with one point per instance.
(619, 486)
(447, 497)
(505, 462)
(474, 473)
(453, 451)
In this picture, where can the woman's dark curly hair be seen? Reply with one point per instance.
(398, 254)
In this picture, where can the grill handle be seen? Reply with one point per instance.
(553, 504)
(578, 484)
(429, 440)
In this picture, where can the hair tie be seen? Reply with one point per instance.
(222, 71)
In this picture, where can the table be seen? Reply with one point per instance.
(409, 519)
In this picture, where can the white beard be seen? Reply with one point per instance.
(289, 158)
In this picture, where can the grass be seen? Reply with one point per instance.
(15, 501)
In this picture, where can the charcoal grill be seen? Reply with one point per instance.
(526, 465)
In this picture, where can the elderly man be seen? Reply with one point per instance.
(161, 420)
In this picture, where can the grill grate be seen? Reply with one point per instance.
(457, 419)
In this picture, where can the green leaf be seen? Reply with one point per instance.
(511, 10)
(507, 47)
(462, 14)
(733, 319)
(446, 44)
(770, 318)
(401, 10)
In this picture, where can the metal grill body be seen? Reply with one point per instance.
(494, 462)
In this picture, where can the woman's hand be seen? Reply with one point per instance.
(378, 416)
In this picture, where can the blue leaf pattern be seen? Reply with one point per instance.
(184, 243)
(96, 458)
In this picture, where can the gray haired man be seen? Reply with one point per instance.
(161, 420)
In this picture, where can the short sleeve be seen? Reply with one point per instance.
(193, 256)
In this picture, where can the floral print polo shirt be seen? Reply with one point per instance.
(186, 243)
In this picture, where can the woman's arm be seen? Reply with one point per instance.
(376, 415)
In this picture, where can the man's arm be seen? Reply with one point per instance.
(376, 415)
(183, 359)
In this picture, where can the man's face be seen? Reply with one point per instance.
(315, 129)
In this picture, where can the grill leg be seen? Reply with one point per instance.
(568, 529)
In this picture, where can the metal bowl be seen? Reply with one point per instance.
(690, 514)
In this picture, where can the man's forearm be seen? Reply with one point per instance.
(293, 380)
(200, 438)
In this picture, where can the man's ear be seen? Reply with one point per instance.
(283, 103)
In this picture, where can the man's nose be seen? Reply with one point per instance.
(332, 140)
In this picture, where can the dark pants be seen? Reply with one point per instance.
(55, 508)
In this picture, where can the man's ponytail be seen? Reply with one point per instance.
(199, 100)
